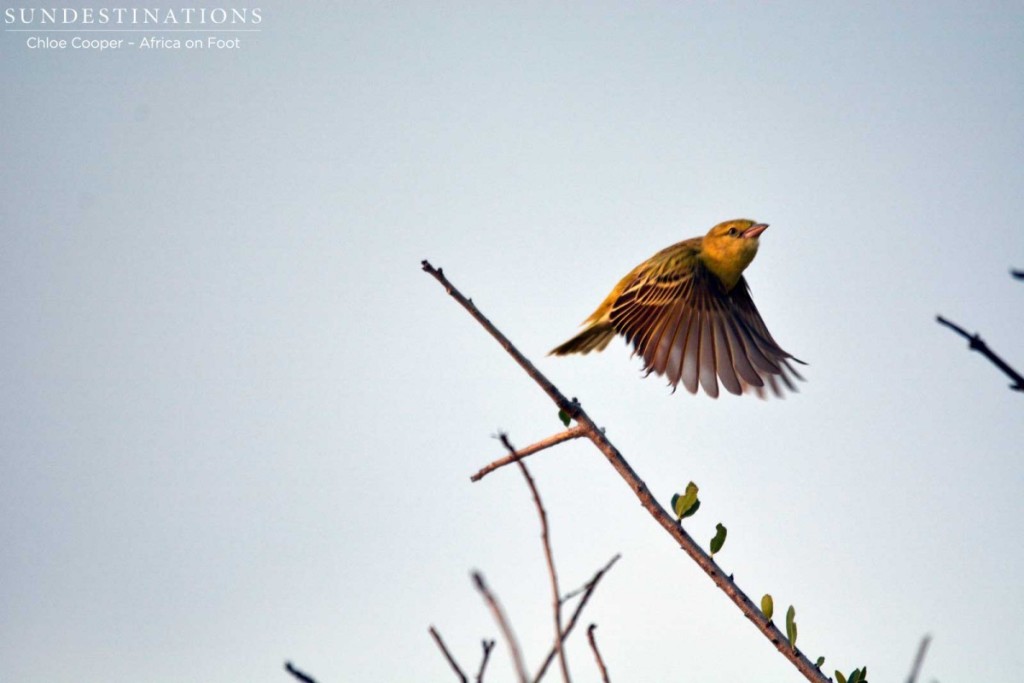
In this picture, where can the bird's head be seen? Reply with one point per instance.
(729, 247)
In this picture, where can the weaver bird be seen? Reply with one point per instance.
(687, 311)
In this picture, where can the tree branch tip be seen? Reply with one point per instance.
(305, 678)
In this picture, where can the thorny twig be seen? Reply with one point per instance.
(597, 653)
(448, 655)
(506, 628)
(975, 343)
(545, 535)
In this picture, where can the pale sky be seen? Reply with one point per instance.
(238, 422)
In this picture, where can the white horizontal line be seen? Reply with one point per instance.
(132, 30)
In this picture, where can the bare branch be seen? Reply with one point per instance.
(975, 343)
(545, 384)
(553, 440)
(587, 590)
(589, 586)
(488, 645)
(597, 654)
(545, 535)
(298, 674)
(506, 629)
(916, 668)
(448, 655)
(639, 488)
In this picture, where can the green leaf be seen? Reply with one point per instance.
(683, 504)
(819, 662)
(719, 540)
(840, 678)
(564, 417)
(855, 677)
(767, 605)
(692, 510)
(791, 625)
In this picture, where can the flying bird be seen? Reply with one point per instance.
(688, 313)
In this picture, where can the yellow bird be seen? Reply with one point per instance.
(687, 311)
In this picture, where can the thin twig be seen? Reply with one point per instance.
(597, 654)
(916, 668)
(975, 343)
(545, 384)
(506, 629)
(587, 590)
(448, 655)
(488, 645)
(545, 535)
(639, 488)
(553, 440)
(1018, 274)
(305, 678)
(588, 587)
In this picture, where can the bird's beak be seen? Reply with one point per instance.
(754, 230)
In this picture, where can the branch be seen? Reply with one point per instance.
(1018, 274)
(975, 343)
(639, 488)
(506, 629)
(597, 655)
(488, 645)
(545, 536)
(587, 590)
(545, 384)
(448, 655)
(553, 440)
(589, 586)
(916, 668)
(298, 674)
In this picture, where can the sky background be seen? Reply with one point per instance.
(237, 422)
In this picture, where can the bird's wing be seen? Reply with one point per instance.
(689, 329)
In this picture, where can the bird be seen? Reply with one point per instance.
(688, 312)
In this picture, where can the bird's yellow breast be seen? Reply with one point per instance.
(727, 258)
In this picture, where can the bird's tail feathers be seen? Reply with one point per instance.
(594, 338)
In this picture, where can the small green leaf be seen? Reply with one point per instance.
(840, 678)
(855, 677)
(819, 662)
(767, 606)
(719, 540)
(564, 417)
(682, 504)
(791, 626)
(692, 511)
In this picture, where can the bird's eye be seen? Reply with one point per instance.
(733, 232)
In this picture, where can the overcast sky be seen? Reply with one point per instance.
(237, 422)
